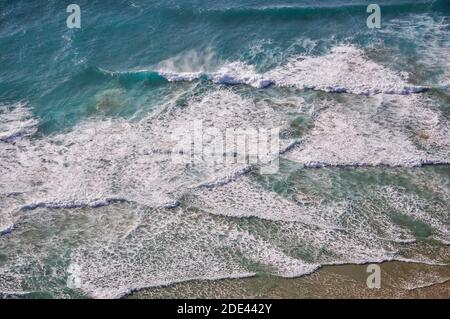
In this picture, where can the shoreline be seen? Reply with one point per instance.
(398, 280)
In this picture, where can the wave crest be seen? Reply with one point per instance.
(345, 69)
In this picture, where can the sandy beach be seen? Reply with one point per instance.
(398, 280)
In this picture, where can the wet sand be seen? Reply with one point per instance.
(398, 280)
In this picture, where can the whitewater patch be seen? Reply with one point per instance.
(102, 162)
(16, 121)
(403, 131)
(345, 69)
(246, 199)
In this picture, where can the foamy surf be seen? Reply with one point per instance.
(16, 121)
(95, 164)
(345, 69)
(349, 136)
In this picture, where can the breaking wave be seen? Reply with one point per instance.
(345, 69)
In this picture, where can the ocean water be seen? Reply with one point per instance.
(93, 205)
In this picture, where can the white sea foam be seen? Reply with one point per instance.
(344, 69)
(101, 162)
(245, 199)
(16, 121)
(180, 76)
(378, 135)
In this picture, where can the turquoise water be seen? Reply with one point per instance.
(91, 204)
